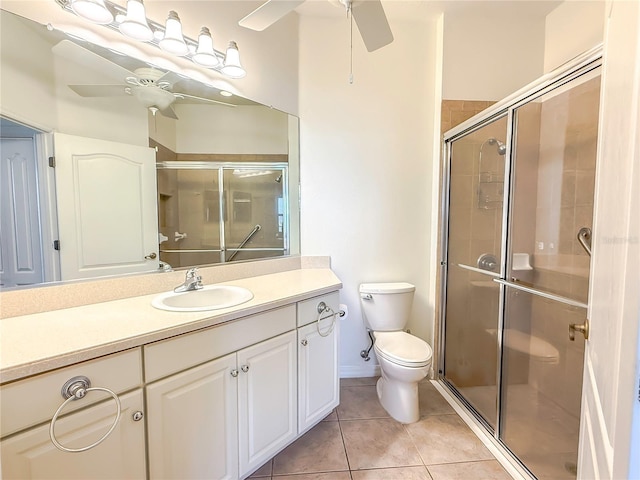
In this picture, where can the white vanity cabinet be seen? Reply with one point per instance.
(267, 400)
(223, 418)
(318, 343)
(29, 405)
(193, 423)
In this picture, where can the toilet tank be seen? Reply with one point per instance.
(386, 306)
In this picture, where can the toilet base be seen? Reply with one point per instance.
(399, 399)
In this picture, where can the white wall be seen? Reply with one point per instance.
(367, 162)
(219, 129)
(26, 83)
(491, 51)
(571, 29)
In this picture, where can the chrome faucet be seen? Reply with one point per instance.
(192, 281)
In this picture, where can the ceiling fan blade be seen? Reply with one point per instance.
(268, 13)
(180, 95)
(99, 90)
(168, 112)
(74, 52)
(372, 24)
(170, 77)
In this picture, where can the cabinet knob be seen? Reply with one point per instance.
(244, 368)
(234, 373)
(304, 342)
(137, 416)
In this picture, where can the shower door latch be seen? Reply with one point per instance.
(583, 329)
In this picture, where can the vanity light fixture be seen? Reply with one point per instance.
(173, 41)
(133, 23)
(232, 65)
(93, 10)
(205, 55)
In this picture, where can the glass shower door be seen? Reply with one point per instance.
(546, 285)
(474, 252)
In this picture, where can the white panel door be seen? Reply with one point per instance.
(107, 208)
(267, 399)
(610, 388)
(32, 455)
(192, 422)
(318, 382)
(20, 239)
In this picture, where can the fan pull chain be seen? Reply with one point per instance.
(350, 15)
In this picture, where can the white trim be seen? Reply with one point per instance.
(354, 371)
(435, 174)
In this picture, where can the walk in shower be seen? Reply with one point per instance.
(518, 196)
(217, 212)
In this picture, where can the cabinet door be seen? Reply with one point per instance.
(192, 421)
(266, 399)
(318, 382)
(31, 455)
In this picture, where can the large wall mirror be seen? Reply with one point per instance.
(114, 166)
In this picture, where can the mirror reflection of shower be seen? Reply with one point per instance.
(491, 174)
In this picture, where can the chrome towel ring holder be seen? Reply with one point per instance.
(323, 309)
(75, 389)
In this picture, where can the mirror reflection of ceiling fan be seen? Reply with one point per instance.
(152, 88)
(368, 14)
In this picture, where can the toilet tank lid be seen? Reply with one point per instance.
(398, 287)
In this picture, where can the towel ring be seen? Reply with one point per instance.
(75, 389)
(322, 309)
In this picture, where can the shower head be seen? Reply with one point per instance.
(502, 148)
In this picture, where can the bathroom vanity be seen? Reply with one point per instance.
(211, 394)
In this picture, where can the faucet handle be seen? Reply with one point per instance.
(191, 273)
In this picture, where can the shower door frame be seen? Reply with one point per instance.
(582, 64)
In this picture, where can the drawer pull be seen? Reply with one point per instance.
(244, 368)
(75, 389)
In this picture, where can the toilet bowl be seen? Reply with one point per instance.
(404, 359)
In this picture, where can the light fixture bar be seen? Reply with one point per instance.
(159, 30)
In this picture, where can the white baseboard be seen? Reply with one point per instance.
(357, 371)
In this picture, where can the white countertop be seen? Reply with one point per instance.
(32, 344)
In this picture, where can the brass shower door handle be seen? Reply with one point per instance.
(582, 328)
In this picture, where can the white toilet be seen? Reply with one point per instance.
(404, 359)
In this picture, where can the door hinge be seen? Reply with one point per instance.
(52, 162)
(56, 244)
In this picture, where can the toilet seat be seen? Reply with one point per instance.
(403, 349)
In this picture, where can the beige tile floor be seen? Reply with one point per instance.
(359, 441)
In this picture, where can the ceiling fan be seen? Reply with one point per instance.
(368, 14)
(152, 88)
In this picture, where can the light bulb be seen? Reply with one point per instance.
(135, 25)
(173, 41)
(232, 66)
(205, 55)
(93, 10)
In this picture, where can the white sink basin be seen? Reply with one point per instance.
(211, 297)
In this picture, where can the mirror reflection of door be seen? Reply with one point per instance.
(106, 197)
(21, 256)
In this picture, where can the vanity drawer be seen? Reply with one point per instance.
(308, 309)
(176, 354)
(34, 400)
